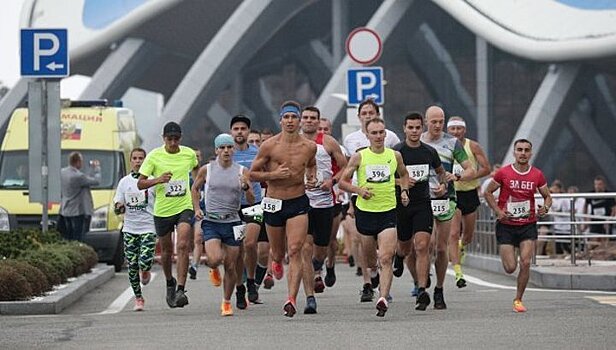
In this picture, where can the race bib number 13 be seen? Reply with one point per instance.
(135, 199)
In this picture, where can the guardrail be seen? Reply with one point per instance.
(484, 239)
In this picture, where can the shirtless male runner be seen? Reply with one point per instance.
(287, 163)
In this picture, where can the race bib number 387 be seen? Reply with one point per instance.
(418, 172)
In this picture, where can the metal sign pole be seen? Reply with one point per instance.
(44, 162)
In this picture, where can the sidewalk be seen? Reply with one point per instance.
(558, 273)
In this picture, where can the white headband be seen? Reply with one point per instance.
(456, 122)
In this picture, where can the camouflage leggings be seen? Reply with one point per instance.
(139, 251)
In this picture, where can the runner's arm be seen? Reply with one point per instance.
(247, 187)
(196, 189)
(482, 160)
(347, 174)
(144, 182)
(547, 200)
(489, 196)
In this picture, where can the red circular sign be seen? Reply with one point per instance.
(364, 46)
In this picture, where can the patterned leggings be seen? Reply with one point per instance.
(139, 251)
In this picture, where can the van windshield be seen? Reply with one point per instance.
(14, 168)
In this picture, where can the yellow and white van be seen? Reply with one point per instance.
(99, 132)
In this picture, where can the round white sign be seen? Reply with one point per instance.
(364, 46)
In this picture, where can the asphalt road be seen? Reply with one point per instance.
(478, 316)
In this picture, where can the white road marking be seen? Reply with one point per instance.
(608, 300)
(480, 282)
(120, 302)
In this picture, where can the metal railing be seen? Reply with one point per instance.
(484, 239)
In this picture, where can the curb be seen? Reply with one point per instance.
(59, 299)
(563, 277)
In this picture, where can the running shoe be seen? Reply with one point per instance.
(460, 281)
(351, 261)
(518, 306)
(311, 306)
(171, 292)
(423, 300)
(253, 294)
(268, 281)
(389, 298)
(139, 302)
(367, 293)
(375, 280)
(192, 272)
(381, 307)
(398, 265)
(277, 270)
(289, 308)
(439, 299)
(240, 297)
(319, 286)
(215, 278)
(181, 299)
(146, 276)
(226, 309)
(330, 276)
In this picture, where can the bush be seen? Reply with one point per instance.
(87, 252)
(48, 270)
(60, 263)
(13, 286)
(14, 243)
(36, 279)
(78, 261)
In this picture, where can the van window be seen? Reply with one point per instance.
(14, 168)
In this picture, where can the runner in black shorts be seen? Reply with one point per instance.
(166, 169)
(415, 220)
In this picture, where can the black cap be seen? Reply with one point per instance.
(172, 129)
(240, 118)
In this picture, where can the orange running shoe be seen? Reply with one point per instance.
(215, 277)
(277, 270)
(226, 309)
(518, 306)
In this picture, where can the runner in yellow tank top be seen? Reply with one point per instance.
(375, 214)
(468, 197)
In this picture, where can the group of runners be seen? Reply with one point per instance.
(409, 200)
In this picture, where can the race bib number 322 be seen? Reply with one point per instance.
(175, 188)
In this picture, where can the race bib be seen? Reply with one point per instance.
(457, 169)
(135, 199)
(519, 209)
(271, 205)
(175, 188)
(439, 206)
(418, 172)
(239, 232)
(256, 212)
(599, 211)
(377, 173)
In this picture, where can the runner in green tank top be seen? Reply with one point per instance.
(376, 202)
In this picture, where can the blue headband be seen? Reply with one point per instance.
(223, 140)
(289, 109)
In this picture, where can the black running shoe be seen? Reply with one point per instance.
(330, 277)
(311, 306)
(192, 273)
(171, 292)
(423, 300)
(375, 281)
(381, 307)
(358, 272)
(398, 265)
(181, 299)
(319, 286)
(240, 297)
(253, 294)
(289, 308)
(351, 261)
(367, 293)
(439, 299)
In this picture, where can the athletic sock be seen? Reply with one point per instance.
(260, 274)
(180, 288)
(457, 268)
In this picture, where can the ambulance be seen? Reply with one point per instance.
(101, 133)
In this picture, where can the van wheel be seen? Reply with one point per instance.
(118, 259)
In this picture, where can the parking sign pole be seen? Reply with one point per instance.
(44, 168)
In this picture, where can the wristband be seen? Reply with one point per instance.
(334, 181)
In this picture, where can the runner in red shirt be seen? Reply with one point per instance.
(516, 215)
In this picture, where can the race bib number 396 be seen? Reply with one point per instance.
(377, 173)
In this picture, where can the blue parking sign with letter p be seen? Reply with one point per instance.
(363, 83)
(44, 53)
